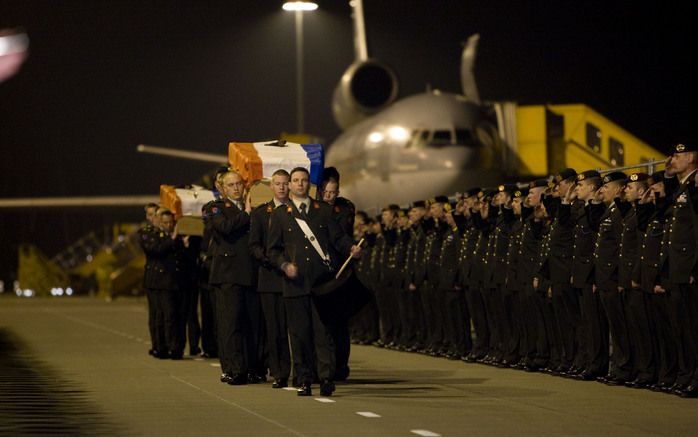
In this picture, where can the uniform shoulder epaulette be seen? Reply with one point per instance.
(212, 208)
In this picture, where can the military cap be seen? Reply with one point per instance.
(636, 177)
(657, 177)
(614, 176)
(222, 170)
(538, 183)
(565, 174)
(419, 204)
(507, 188)
(472, 192)
(685, 147)
(392, 207)
(521, 192)
(486, 192)
(589, 174)
(440, 199)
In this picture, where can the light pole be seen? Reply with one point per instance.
(299, 7)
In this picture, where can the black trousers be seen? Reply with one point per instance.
(190, 328)
(640, 335)
(209, 338)
(621, 362)
(565, 303)
(388, 310)
(278, 352)
(238, 322)
(512, 308)
(457, 334)
(167, 331)
(595, 327)
(537, 347)
(311, 343)
(665, 343)
(152, 309)
(476, 306)
(681, 302)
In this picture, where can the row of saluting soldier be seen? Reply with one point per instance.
(586, 276)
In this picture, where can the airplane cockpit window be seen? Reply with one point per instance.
(593, 137)
(441, 138)
(617, 152)
(464, 137)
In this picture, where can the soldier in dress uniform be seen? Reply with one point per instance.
(475, 278)
(270, 282)
(653, 226)
(232, 278)
(636, 301)
(454, 309)
(432, 299)
(343, 211)
(308, 245)
(389, 279)
(536, 348)
(209, 338)
(513, 286)
(606, 258)
(144, 235)
(556, 267)
(164, 281)
(594, 324)
(680, 269)
(502, 217)
(414, 275)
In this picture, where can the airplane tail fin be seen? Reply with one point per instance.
(360, 47)
(467, 68)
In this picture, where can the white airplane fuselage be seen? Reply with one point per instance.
(418, 147)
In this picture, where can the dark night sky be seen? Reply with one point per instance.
(104, 76)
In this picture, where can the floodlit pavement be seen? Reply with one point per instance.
(97, 351)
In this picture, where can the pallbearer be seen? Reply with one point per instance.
(308, 245)
(270, 282)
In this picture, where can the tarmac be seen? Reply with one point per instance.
(78, 366)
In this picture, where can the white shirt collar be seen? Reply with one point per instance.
(298, 202)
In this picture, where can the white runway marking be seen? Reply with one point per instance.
(325, 400)
(290, 388)
(367, 414)
(425, 433)
(215, 364)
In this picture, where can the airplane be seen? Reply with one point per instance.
(414, 148)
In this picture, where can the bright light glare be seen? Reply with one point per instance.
(299, 6)
(69, 291)
(398, 133)
(375, 137)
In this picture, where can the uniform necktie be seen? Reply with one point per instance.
(303, 212)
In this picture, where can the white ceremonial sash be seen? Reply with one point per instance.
(316, 245)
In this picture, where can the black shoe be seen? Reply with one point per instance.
(304, 390)
(225, 378)
(342, 373)
(162, 355)
(194, 352)
(689, 392)
(586, 376)
(327, 388)
(614, 380)
(210, 355)
(237, 379)
(255, 379)
(152, 352)
(638, 384)
(280, 383)
(176, 355)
